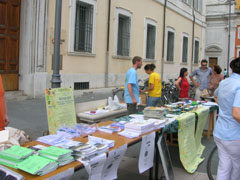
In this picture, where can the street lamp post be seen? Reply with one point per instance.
(56, 77)
(229, 35)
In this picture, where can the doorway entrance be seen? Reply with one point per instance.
(9, 43)
(213, 61)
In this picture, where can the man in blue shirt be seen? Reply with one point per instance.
(227, 129)
(202, 74)
(131, 90)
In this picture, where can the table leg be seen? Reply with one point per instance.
(210, 125)
(156, 155)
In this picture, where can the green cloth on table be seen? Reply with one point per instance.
(202, 114)
(190, 155)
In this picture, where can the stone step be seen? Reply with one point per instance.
(15, 95)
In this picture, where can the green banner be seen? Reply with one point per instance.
(60, 108)
(189, 153)
(202, 113)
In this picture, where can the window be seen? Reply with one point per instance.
(123, 45)
(82, 26)
(151, 32)
(196, 52)
(170, 45)
(190, 2)
(150, 38)
(196, 4)
(184, 49)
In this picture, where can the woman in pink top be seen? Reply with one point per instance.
(215, 79)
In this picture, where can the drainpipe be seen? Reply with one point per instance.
(107, 51)
(193, 34)
(56, 77)
(163, 36)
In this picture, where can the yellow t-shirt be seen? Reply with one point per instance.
(155, 79)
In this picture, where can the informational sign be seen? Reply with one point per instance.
(190, 155)
(165, 158)
(94, 166)
(112, 163)
(60, 108)
(147, 152)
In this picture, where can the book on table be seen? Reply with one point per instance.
(37, 165)
(14, 155)
(62, 156)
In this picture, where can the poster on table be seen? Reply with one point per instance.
(60, 108)
(111, 166)
(147, 152)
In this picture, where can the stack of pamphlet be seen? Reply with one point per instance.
(158, 123)
(139, 127)
(109, 129)
(86, 151)
(154, 112)
(97, 140)
(62, 156)
(37, 165)
(14, 155)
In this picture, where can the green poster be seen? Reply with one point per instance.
(203, 113)
(189, 154)
(60, 108)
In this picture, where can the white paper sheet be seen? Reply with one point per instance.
(147, 152)
(66, 175)
(94, 166)
(112, 163)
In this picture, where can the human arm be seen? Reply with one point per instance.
(5, 111)
(236, 107)
(129, 86)
(151, 87)
(177, 83)
(236, 113)
(194, 81)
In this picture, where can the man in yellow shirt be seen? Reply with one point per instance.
(154, 86)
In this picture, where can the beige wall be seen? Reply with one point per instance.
(80, 63)
(94, 65)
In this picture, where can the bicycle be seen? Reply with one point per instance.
(212, 163)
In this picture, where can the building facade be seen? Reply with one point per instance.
(99, 39)
(220, 15)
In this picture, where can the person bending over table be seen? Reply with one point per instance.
(154, 86)
(227, 129)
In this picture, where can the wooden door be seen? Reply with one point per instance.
(213, 61)
(9, 42)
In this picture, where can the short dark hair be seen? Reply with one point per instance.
(217, 69)
(182, 71)
(135, 59)
(149, 66)
(235, 65)
(204, 61)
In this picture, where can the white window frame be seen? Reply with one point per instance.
(153, 23)
(238, 32)
(125, 12)
(171, 29)
(187, 36)
(196, 39)
(72, 9)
